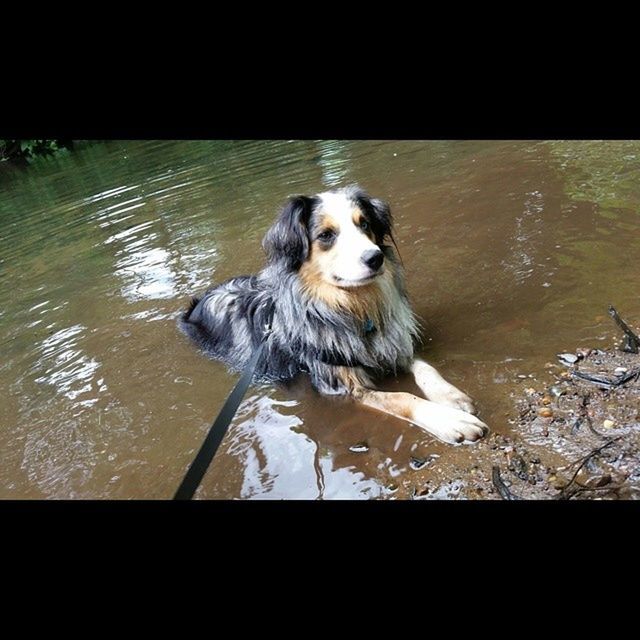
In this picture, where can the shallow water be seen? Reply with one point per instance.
(513, 250)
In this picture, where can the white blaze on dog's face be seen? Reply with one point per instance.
(343, 248)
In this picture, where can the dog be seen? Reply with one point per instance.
(333, 295)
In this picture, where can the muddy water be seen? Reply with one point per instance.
(512, 249)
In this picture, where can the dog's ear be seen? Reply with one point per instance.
(379, 215)
(288, 238)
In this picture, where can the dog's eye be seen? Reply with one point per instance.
(326, 236)
(364, 225)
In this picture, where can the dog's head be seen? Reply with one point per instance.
(337, 235)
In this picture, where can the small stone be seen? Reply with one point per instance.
(565, 374)
(608, 424)
(522, 376)
(360, 447)
(599, 481)
(546, 400)
(545, 413)
(557, 391)
(392, 488)
(554, 481)
(582, 352)
(568, 358)
(530, 391)
(621, 370)
(417, 463)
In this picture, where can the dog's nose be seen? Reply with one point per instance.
(373, 259)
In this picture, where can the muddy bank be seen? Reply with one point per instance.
(576, 435)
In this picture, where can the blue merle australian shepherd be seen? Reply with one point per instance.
(333, 293)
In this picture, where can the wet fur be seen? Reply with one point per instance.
(317, 328)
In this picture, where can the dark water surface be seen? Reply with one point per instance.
(512, 250)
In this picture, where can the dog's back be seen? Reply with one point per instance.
(222, 321)
(229, 322)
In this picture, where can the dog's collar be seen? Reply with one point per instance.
(368, 326)
(330, 357)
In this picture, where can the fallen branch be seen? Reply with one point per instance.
(565, 494)
(607, 383)
(631, 342)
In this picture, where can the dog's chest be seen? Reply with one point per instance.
(390, 341)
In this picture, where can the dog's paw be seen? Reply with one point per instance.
(450, 396)
(437, 389)
(447, 423)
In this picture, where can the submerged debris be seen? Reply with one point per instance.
(419, 463)
(606, 381)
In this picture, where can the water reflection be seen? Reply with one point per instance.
(335, 161)
(64, 365)
(146, 273)
(280, 461)
(524, 250)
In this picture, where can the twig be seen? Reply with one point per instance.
(631, 342)
(564, 494)
(584, 417)
(501, 487)
(593, 429)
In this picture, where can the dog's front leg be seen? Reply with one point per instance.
(437, 389)
(446, 423)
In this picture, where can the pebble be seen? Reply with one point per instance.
(599, 481)
(557, 391)
(522, 376)
(545, 413)
(360, 447)
(620, 370)
(568, 358)
(546, 399)
(392, 488)
(530, 391)
(608, 424)
(555, 482)
(418, 463)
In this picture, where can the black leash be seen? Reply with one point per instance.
(216, 433)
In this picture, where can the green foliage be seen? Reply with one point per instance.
(31, 149)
